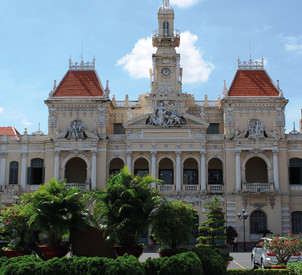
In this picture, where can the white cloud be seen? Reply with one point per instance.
(183, 3)
(195, 68)
(293, 43)
(139, 61)
(1, 110)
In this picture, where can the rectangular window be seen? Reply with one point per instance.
(118, 129)
(213, 129)
(190, 176)
(166, 175)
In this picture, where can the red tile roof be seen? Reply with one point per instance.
(79, 83)
(252, 83)
(8, 131)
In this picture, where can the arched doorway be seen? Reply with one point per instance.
(296, 222)
(141, 167)
(76, 171)
(258, 222)
(256, 171)
(115, 166)
(190, 173)
(166, 173)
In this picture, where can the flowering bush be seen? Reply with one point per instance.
(15, 225)
(284, 246)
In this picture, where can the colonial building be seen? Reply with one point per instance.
(235, 147)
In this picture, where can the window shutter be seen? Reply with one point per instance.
(28, 175)
(43, 175)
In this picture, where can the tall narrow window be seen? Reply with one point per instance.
(36, 172)
(166, 28)
(13, 172)
(295, 171)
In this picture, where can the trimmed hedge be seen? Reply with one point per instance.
(294, 268)
(212, 262)
(179, 264)
(258, 272)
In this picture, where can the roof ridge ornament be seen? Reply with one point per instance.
(251, 65)
(81, 66)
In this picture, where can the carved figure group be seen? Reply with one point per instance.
(164, 117)
(76, 130)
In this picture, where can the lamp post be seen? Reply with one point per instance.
(243, 216)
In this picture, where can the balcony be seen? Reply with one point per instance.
(215, 188)
(258, 187)
(166, 33)
(166, 187)
(166, 38)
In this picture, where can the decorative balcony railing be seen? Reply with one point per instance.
(166, 33)
(258, 187)
(166, 187)
(10, 190)
(215, 188)
(296, 187)
(188, 187)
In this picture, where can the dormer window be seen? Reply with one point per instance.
(166, 28)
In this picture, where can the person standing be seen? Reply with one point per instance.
(235, 243)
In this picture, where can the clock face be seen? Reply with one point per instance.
(165, 72)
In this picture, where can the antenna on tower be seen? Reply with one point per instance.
(82, 54)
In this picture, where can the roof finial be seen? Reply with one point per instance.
(166, 3)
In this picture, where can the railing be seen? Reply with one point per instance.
(296, 187)
(82, 186)
(166, 187)
(191, 187)
(10, 190)
(211, 103)
(258, 187)
(166, 33)
(215, 188)
(126, 104)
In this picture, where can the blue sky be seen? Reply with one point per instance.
(39, 36)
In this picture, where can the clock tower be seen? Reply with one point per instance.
(166, 74)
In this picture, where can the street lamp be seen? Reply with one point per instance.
(243, 216)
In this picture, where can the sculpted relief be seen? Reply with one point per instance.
(162, 116)
(76, 130)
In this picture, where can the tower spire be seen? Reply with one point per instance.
(166, 3)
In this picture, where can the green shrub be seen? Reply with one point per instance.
(212, 262)
(294, 268)
(183, 263)
(19, 265)
(258, 272)
(125, 265)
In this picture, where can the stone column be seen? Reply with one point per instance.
(23, 171)
(57, 165)
(178, 172)
(203, 178)
(93, 169)
(238, 170)
(276, 170)
(129, 159)
(153, 168)
(3, 168)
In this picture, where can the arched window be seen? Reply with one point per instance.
(115, 166)
(166, 28)
(258, 222)
(295, 171)
(141, 167)
(215, 171)
(13, 172)
(190, 175)
(36, 170)
(256, 171)
(297, 222)
(76, 171)
(166, 173)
